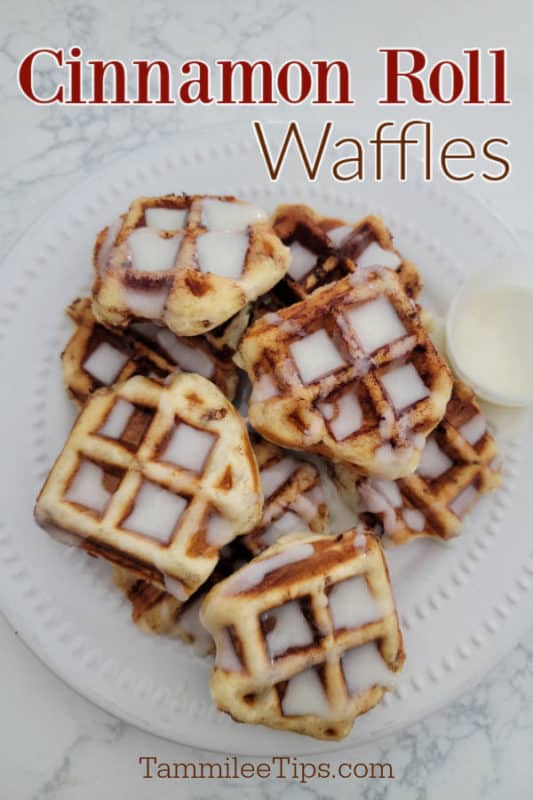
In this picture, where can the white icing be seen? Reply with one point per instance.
(190, 359)
(145, 302)
(352, 604)
(376, 256)
(401, 347)
(315, 356)
(291, 629)
(87, 488)
(156, 512)
(306, 505)
(175, 588)
(276, 475)
(165, 219)
(474, 429)
(264, 389)
(222, 253)
(289, 522)
(223, 215)
(359, 277)
(190, 623)
(105, 363)
(364, 667)
(305, 695)
(219, 530)
(389, 490)
(117, 419)
(188, 447)
(272, 318)
(150, 252)
(490, 324)
(370, 499)
(404, 386)
(433, 462)
(349, 417)
(414, 519)
(290, 326)
(226, 657)
(337, 236)
(418, 440)
(376, 324)
(316, 494)
(302, 261)
(359, 541)
(464, 501)
(254, 572)
(327, 410)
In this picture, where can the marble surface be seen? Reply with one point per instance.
(55, 745)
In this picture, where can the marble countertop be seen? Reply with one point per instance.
(56, 745)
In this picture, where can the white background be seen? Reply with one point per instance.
(53, 743)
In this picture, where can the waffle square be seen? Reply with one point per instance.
(349, 373)
(294, 499)
(155, 478)
(458, 465)
(306, 634)
(189, 262)
(96, 356)
(325, 249)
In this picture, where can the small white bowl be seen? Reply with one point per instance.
(517, 276)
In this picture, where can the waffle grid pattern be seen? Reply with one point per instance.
(187, 299)
(143, 354)
(254, 691)
(331, 248)
(187, 557)
(466, 463)
(289, 411)
(300, 495)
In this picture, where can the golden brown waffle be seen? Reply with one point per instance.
(294, 499)
(350, 373)
(458, 465)
(189, 262)
(306, 634)
(325, 249)
(96, 356)
(226, 338)
(155, 478)
(156, 611)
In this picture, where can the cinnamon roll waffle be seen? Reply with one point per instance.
(349, 373)
(188, 262)
(156, 478)
(306, 634)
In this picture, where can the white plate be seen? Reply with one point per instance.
(461, 605)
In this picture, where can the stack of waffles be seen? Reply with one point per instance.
(218, 531)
